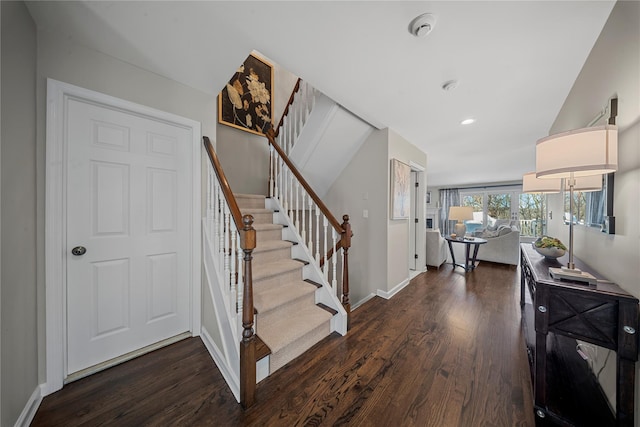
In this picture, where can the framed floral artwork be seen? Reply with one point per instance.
(400, 190)
(246, 101)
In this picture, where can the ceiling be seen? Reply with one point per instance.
(514, 61)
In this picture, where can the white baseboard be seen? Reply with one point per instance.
(218, 358)
(30, 409)
(394, 290)
(362, 301)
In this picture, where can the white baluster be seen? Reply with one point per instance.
(294, 134)
(271, 171)
(291, 196)
(232, 258)
(221, 208)
(335, 259)
(297, 213)
(310, 227)
(325, 268)
(227, 274)
(303, 232)
(317, 236)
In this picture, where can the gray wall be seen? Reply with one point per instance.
(19, 366)
(379, 255)
(613, 67)
(362, 185)
(244, 158)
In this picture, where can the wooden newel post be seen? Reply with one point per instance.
(346, 244)
(248, 343)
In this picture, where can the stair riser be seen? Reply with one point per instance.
(292, 306)
(250, 202)
(261, 217)
(274, 280)
(264, 235)
(262, 258)
(296, 348)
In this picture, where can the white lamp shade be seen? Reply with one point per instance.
(585, 183)
(460, 213)
(531, 184)
(583, 152)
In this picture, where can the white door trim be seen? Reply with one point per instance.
(58, 94)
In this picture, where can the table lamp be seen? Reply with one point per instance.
(460, 214)
(531, 184)
(572, 155)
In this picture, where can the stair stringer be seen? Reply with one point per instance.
(226, 358)
(311, 271)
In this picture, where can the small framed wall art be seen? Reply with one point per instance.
(246, 101)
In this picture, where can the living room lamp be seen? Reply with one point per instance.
(460, 214)
(573, 154)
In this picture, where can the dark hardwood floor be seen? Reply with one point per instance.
(445, 351)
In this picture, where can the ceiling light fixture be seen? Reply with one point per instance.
(422, 25)
(467, 121)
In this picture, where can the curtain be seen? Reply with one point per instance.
(448, 197)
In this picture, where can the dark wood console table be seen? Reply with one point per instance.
(566, 392)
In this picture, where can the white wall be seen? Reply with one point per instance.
(19, 343)
(613, 67)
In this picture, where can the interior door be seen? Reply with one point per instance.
(127, 233)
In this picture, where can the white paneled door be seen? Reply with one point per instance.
(127, 232)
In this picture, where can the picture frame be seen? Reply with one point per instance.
(246, 102)
(400, 190)
(428, 198)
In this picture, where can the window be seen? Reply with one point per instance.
(506, 205)
(533, 214)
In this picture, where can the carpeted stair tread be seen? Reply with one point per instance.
(287, 330)
(261, 227)
(272, 297)
(275, 268)
(250, 201)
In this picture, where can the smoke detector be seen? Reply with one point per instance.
(450, 85)
(422, 25)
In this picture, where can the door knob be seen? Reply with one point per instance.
(79, 250)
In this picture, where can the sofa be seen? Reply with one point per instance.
(437, 249)
(503, 245)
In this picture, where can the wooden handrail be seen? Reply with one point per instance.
(296, 88)
(244, 225)
(327, 213)
(224, 184)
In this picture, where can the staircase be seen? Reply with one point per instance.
(287, 318)
(276, 267)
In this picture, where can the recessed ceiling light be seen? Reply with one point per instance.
(422, 25)
(467, 121)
